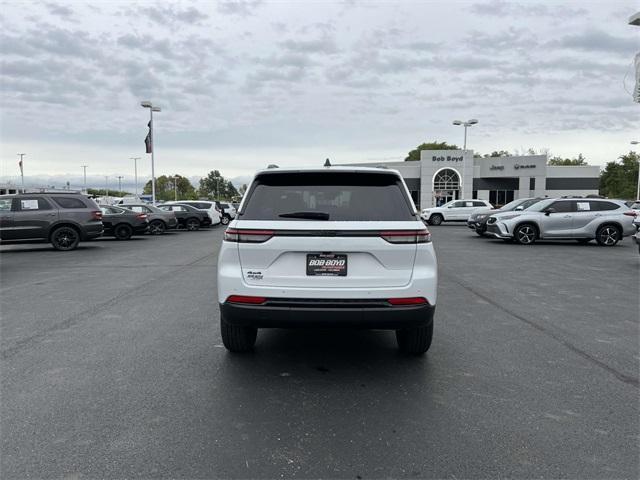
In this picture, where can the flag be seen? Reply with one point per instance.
(20, 165)
(147, 141)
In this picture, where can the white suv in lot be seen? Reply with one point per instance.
(453, 211)
(336, 246)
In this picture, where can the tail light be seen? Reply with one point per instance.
(246, 299)
(247, 236)
(97, 215)
(631, 213)
(407, 236)
(408, 301)
(141, 216)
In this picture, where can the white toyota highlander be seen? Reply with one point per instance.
(332, 246)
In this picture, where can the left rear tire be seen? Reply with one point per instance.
(236, 338)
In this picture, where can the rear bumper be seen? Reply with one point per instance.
(302, 313)
(91, 230)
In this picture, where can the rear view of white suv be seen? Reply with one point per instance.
(338, 247)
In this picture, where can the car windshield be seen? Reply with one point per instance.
(335, 196)
(541, 205)
(511, 205)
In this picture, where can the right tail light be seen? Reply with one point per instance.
(407, 236)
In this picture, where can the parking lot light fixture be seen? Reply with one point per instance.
(636, 142)
(135, 173)
(466, 125)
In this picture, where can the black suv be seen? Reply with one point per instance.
(64, 219)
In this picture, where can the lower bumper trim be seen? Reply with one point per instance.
(352, 315)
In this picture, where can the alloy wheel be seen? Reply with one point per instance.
(609, 236)
(526, 235)
(65, 238)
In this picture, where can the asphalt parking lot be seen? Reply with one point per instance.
(112, 367)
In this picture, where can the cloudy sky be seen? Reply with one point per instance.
(246, 83)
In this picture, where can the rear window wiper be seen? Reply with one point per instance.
(308, 215)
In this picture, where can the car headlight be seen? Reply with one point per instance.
(491, 220)
(481, 217)
(509, 217)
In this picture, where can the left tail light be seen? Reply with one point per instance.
(240, 235)
(631, 213)
(407, 236)
(248, 300)
(97, 215)
(141, 216)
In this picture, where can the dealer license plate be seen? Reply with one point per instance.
(327, 264)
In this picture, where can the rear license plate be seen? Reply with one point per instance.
(327, 265)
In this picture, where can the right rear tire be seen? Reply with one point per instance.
(236, 338)
(415, 341)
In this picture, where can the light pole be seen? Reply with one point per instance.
(135, 171)
(175, 188)
(84, 168)
(635, 142)
(466, 125)
(120, 177)
(149, 105)
(22, 169)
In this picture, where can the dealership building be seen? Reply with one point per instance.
(443, 175)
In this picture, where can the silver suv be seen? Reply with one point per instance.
(580, 219)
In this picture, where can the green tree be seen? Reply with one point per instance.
(619, 178)
(568, 162)
(498, 153)
(215, 187)
(165, 189)
(414, 155)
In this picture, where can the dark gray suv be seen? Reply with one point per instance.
(64, 219)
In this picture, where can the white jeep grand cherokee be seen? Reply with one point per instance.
(333, 246)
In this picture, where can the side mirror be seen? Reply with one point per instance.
(549, 210)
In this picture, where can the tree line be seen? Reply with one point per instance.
(618, 179)
(212, 187)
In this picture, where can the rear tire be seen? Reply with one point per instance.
(525, 234)
(192, 224)
(435, 219)
(225, 220)
(236, 338)
(65, 238)
(157, 227)
(608, 235)
(123, 232)
(415, 341)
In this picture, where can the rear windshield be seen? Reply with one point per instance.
(328, 196)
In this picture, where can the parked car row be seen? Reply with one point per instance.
(65, 219)
(527, 220)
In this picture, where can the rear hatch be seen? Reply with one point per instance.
(327, 229)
